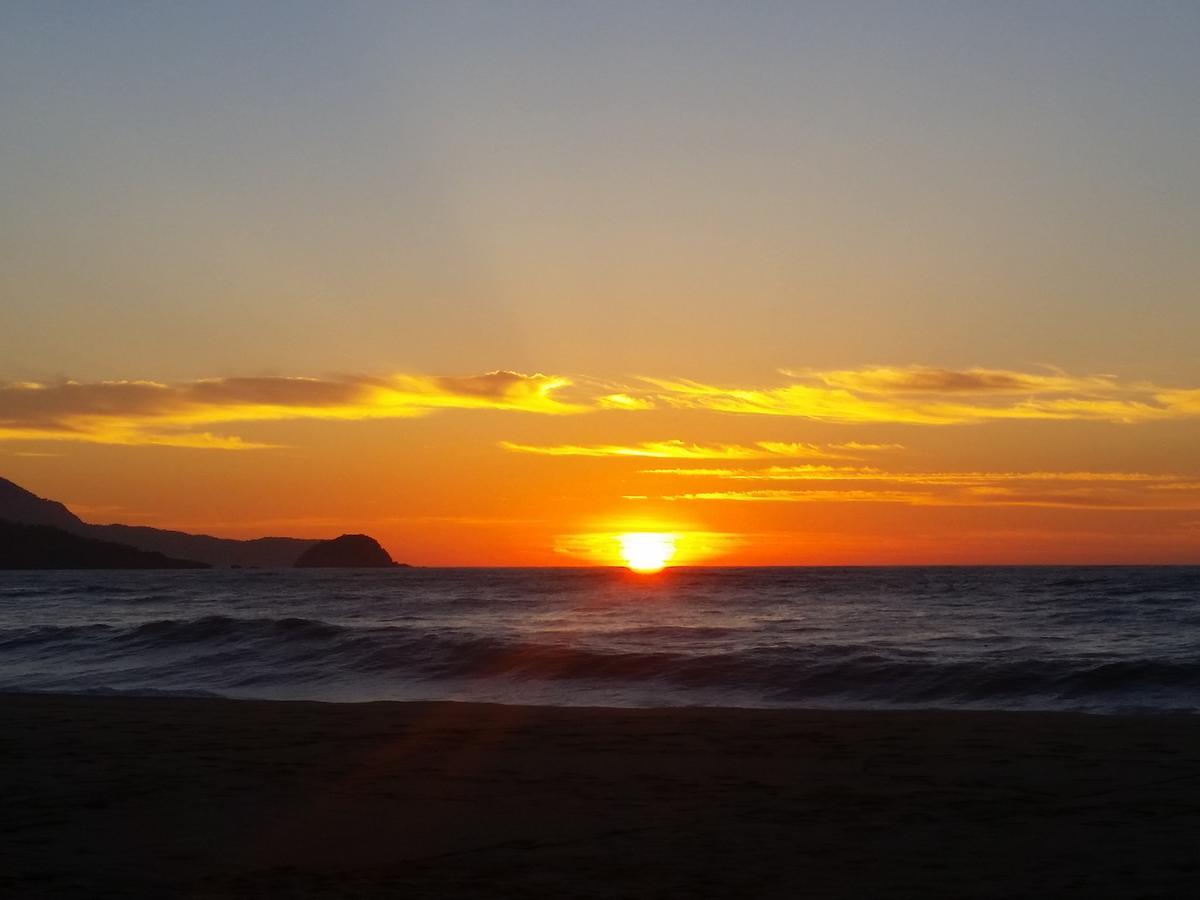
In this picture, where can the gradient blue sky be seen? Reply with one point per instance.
(597, 185)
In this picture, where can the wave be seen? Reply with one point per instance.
(223, 653)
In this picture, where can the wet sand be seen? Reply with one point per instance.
(161, 798)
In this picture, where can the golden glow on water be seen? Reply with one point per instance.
(647, 551)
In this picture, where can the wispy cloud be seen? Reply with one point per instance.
(866, 448)
(177, 415)
(920, 395)
(933, 380)
(1095, 490)
(683, 450)
(811, 496)
(1045, 499)
(868, 473)
(32, 454)
(624, 401)
(191, 414)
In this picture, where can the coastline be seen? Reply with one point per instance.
(109, 796)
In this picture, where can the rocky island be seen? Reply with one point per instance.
(350, 551)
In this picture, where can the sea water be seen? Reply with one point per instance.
(1089, 639)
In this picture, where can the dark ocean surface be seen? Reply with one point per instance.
(1091, 639)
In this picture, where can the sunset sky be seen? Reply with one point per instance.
(798, 283)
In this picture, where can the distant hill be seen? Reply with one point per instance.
(20, 505)
(24, 546)
(266, 553)
(350, 551)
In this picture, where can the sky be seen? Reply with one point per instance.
(800, 283)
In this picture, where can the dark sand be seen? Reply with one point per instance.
(160, 798)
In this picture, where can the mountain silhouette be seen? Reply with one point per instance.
(20, 505)
(25, 546)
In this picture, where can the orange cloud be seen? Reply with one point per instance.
(918, 395)
(1079, 499)
(866, 473)
(932, 380)
(1101, 490)
(624, 401)
(681, 450)
(866, 448)
(815, 496)
(148, 412)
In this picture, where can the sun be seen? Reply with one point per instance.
(647, 551)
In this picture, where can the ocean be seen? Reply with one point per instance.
(1120, 639)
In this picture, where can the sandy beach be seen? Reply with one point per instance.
(157, 797)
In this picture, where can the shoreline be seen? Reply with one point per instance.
(121, 796)
(1142, 712)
